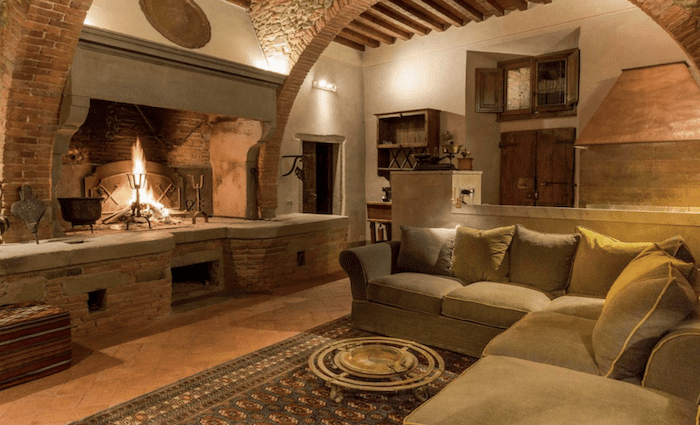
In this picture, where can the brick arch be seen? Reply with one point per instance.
(321, 35)
(38, 39)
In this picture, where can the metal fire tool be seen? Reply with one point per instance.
(29, 209)
(198, 201)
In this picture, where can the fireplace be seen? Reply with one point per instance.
(202, 122)
(168, 149)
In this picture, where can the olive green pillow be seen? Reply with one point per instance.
(599, 260)
(425, 250)
(650, 297)
(482, 255)
(542, 260)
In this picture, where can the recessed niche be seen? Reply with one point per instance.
(96, 300)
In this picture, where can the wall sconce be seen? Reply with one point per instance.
(325, 85)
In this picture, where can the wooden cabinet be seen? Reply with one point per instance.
(531, 87)
(537, 167)
(400, 135)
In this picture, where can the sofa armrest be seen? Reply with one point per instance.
(674, 364)
(368, 262)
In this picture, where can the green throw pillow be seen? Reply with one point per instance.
(599, 260)
(650, 297)
(482, 255)
(425, 250)
(542, 260)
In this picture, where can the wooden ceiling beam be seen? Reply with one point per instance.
(349, 43)
(374, 21)
(402, 20)
(445, 11)
(492, 6)
(370, 32)
(467, 10)
(419, 13)
(358, 38)
(520, 4)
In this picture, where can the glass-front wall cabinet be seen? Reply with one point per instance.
(532, 87)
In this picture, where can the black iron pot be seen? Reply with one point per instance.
(81, 211)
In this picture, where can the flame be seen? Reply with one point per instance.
(146, 196)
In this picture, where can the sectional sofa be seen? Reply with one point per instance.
(570, 328)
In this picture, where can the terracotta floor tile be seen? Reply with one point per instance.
(115, 368)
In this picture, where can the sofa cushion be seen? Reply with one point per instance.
(507, 391)
(677, 247)
(542, 260)
(599, 260)
(547, 337)
(412, 291)
(493, 303)
(425, 250)
(650, 297)
(586, 307)
(482, 254)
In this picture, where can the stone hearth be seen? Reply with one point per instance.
(123, 279)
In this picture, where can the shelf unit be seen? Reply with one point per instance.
(400, 135)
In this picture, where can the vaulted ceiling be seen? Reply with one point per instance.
(389, 20)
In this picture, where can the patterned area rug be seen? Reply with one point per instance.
(273, 386)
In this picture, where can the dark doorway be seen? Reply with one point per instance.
(318, 178)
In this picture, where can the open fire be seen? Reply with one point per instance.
(143, 198)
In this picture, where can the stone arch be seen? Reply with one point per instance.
(38, 39)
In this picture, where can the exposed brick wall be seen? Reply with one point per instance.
(137, 291)
(261, 264)
(39, 42)
(181, 138)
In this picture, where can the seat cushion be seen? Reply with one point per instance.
(542, 260)
(599, 260)
(412, 291)
(425, 250)
(649, 298)
(586, 307)
(482, 254)
(551, 338)
(493, 303)
(508, 391)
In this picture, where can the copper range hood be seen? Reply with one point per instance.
(652, 104)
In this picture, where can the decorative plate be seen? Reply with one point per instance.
(377, 359)
(181, 21)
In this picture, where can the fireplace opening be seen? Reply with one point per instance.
(195, 283)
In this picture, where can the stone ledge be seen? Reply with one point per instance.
(59, 253)
(66, 252)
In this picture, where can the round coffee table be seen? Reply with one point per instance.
(377, 364)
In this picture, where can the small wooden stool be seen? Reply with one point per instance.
(35, 341)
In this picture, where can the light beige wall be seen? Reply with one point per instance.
(232, 34)
(433, 71)
(321, 113)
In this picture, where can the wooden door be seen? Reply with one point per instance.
(518, 167)
(537, 167)
(555, 167)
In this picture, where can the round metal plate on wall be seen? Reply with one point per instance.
(181, 21)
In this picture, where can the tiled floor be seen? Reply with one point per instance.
(112, 369)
